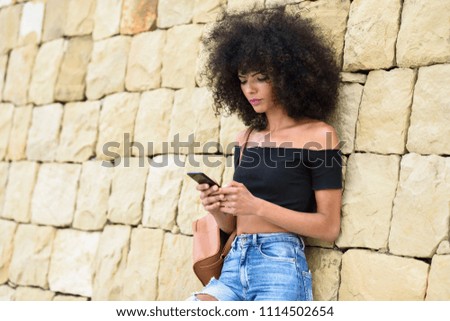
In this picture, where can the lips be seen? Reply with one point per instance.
(255, 101)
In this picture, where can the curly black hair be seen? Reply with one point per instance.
(285, 47)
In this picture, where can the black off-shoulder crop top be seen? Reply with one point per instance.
(288, 176)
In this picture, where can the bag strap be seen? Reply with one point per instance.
(247, 135)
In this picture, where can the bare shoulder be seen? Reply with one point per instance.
(318, 135)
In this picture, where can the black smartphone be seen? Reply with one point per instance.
(202, 178)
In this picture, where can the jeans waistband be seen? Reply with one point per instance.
(259, 238)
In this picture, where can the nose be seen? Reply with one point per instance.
(249, 88)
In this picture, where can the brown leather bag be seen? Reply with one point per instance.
(211, 246)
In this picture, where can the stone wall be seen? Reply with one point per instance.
(77, 75)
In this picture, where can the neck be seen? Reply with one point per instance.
(278, 119)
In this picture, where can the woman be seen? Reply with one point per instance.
(273, 70)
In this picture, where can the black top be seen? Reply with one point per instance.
(288, 176)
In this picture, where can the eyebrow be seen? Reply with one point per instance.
(241, 75)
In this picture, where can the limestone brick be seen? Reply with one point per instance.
(70, 85)
(4, 169)
(230, 126)
(228, 171)
(6, 121)
(116, 125)
(54, 196)
(420, 209)
(174, 12)
(138, 16)
(370, 186)
(93, 195)
(80, 17)
(4, 3)
(59, 297)
(9, 27)
(438, 281)
(345, 116)
(189, 205)
(249, 5)
(176, 279)
(43, 135)
(371, 34)
(353, 77)
(45, 72)
(153, 122)
(106, 72)
(19, 133)
(145, 60)
(325, 267)
(424, 33)
(163, 191)
(372, 276)
(7, 231)
(31, 257)
(180, 56)
(79, 131)
(107, 18)
(127, 191)
(206, 10)
(30, 31)
(443, 248)
(73, 273)
(141, 274)
(6, 293)
(23, 293)
(21, 181)
(18, 74)
(3, 61)
(385, 109)
(193, 122)
(430, 116)
(55, 19)
(110, 263)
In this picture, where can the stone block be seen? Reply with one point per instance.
(438, 281)
(141, 274)
(32, 294)
(31, 257)
(138, 16)
(21, 181)
(107, 18)
(353, 77)
(145, 61)
(330, 18)
(277, 3)
(345, 116)
(19, 133)
(370, 186)
(45, 72)
(4, 3)
(325, 267)
(54, 196)
(6, 122)
(6, 293)
(194, 126)
(228, 171)
(116, 125)
(176, 279)
(60, 297)
(249, 5)
(127, 191)
(43, 136)
(180, 56)
(424, 33)
(110, 263)
(93, 195)
(230, 126)
(7, 232)
(421, 206)
(18, 76)
(429, 131)
(372, 276)
(79, 131)
(385, 109)
(106, 72)
(189, 205)
(71, 84)
(30, 31)
(174, 12)
(163, 191)
(73, 273)
(80, 17)
(3, 61)
(371, 34)
(9, 27)
(206, 10)
(4, 169)
(55, 19)
(153, 122)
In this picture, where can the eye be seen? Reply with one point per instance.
(263, 78)
(242, 81)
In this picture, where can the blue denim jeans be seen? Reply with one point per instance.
(263, 267)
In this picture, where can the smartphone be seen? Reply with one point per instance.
(202, 178)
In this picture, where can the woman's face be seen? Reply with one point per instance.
(258, 90)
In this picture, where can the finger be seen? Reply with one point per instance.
(212, 207)
(228, 190)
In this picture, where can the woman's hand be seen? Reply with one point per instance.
(210, 198)
(238, 200)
